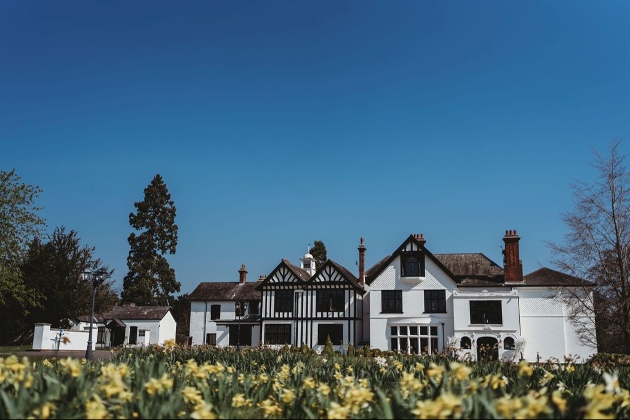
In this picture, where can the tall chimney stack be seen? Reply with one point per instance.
(420, 238)
(512, 265)
(362, 263)
(243, 274)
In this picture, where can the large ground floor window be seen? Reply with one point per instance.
(334, 331)
(414, 339)
(277, 334)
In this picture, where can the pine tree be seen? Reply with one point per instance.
(318, 251)
(150, 280)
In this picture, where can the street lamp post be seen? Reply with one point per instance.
(241, 308)
(96, 278)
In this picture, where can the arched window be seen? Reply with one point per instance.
(412, 264)
(508, 344)
(465, 343)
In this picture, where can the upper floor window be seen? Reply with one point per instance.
(215, 311)
(485, 312)
(412, 264)
(330, 300)
(391, 301)
(283, 301)
(241, 308)
(435, 301)
(254, 307)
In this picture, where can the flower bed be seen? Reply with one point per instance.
(205, 382)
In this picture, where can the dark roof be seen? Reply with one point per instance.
(376, 268)
(116, 323)
(249, 318)
(299, 272)
(129, 312)
(472, 264)
(473, 269)
(225, 291)
(547, 277)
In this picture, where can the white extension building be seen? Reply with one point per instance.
(130, 325)
(225, 313)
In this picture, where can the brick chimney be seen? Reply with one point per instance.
(512, 264)
(243, 274)
(420, 238)
(361, 249)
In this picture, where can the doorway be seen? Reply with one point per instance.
(487, 349)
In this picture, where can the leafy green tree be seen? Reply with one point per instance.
(56, 269)
(151, 280)
(19, 223)
(596, 248)
(181, 312)
(318, 251)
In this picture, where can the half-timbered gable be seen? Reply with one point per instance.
(300, 308)
(335, 299)
(278, 291)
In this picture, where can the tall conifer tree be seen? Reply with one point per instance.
(151, 280)
(319, 253)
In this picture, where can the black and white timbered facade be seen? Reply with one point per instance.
(304, 305)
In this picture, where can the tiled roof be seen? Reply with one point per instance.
(547, 277)
(129, 312)
(226, 291)
(299, 272)
(470, 264)
(375, 268)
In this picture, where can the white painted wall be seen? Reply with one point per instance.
(509, 307)
(548, 332)
(46, 338)
(201, 324)
(413, 303)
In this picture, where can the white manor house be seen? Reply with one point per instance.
(411, 301)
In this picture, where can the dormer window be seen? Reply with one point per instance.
(412, 264)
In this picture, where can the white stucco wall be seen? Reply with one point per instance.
(46, 338)
(509, 309)
(547, 329)
(167, 329)
(413, 303)
(201, 324)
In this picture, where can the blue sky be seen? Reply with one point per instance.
(275, 124)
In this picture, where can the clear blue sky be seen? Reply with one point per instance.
(275, 124)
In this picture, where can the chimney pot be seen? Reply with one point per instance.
(362, 249)
(242, 274)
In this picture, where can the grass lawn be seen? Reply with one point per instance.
(14, 349)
